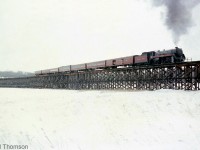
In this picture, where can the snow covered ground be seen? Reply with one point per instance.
(46, 119)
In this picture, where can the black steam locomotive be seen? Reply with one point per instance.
(146, 58)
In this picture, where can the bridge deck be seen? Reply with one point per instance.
(166, 76)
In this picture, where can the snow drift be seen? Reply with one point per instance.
(47, 119)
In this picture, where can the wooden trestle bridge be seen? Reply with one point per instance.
(184, 76)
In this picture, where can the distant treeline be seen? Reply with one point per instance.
(12, 74)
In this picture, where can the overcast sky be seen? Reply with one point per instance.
(41, 34)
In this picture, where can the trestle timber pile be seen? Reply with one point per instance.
(149, 71)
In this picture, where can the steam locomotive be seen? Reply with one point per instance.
(146, 58)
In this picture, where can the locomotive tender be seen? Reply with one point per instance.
(146, 58)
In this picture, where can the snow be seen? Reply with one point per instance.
(46, 119)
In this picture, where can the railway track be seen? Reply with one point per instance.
(185, 76)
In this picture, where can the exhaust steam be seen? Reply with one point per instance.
(178, 16)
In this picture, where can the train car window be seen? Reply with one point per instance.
(114, 62)
(144, 54)
(153, 53)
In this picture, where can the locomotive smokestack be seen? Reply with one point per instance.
(178, 17)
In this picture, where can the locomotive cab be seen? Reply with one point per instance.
(149, 55)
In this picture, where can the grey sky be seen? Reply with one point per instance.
(40, 34)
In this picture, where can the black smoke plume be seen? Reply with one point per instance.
(178, 16)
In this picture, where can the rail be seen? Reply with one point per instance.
(184, 76)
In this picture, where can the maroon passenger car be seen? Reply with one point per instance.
(123, 61)
(65, 68)
(96, 65)
(78, 67)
